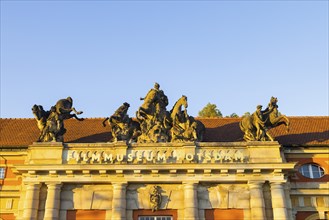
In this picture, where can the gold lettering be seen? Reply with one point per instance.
(199, 156)
(120, 157)
(70, 155)
(149, 157)
(189, 157)
(95, 156)
(161, 156)
(208, 156)
(130, 157)
(139, 155)
(108, 157)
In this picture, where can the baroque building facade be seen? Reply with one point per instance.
(221, 177)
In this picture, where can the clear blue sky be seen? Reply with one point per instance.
(235, 54)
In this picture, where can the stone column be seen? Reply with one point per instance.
(288, 199)
(257, 205)
(53, 201)
(191, 208)
(31, 203)
(279, 203)
(119, 201)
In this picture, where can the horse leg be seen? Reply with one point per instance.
(103, 123)
(269, 136)
(76, 112)
(76, 117)
(257, 131)
(282, 120)
(287, 122)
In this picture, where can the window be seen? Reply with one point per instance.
(155, 218)
(312, 171)
(2, 173)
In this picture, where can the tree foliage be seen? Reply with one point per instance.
(210, 110)
(233, 115)
(246, 114)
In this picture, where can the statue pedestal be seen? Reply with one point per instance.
(45, 153)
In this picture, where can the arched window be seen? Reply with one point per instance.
(311, 170)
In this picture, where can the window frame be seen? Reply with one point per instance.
(307, 171)
(2, 173)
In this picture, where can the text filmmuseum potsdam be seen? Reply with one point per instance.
(163, 164)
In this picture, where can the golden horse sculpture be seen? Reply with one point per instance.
(184, 127)
(255, 126)
(51, 123)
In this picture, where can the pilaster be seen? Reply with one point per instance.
(257, 205)
(119, 202)
(31, 202)
(191, 211)
(53, 201)
(279, 203)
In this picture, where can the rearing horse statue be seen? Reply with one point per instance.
(255, 126)
(274, 119)
(176, 112)
(184, 127)
(64, 107)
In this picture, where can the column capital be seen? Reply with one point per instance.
(255, 184)
(57, 184)
(54, 186)
(278, 183)
(118, 185)
(32, 185)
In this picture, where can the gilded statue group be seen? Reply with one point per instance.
(255, 126)
(51, 123)
(153, 123)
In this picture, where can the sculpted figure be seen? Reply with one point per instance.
(273, 115)
(255, 126)
(41, 117)
(123, 128)
(155, 198)
(153, 116)
(54, 129)
(64, 108)
(150, 101)
(259, 123)
(158, 133)
(51, 123)
(184, 127)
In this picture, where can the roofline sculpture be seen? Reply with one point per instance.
(51, 123)
(255, 126)
(154, 123)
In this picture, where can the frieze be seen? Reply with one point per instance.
(167, 155)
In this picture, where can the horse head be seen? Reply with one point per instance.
(183, 101)
(38, 111)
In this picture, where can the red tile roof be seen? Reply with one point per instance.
(303, 131)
